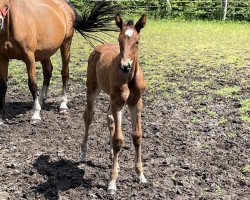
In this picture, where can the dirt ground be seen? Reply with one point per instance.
(41, 161)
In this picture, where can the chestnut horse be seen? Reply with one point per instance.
(33, 30)
(115, 70)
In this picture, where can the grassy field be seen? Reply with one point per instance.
(198, 59)
(196, 117)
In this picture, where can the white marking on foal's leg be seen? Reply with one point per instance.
(63, 106)
(37, 108)
(44, 93)
(142, 178)
(111, 127)
(112, 187)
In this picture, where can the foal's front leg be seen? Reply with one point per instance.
(135, 115)
(117, 141)
(31, 69)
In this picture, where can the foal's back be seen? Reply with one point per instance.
(102, 64)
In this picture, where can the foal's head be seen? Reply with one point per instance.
(4, 9)
(128, 40)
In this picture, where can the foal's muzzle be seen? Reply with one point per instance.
(1, 22)
(126, 67)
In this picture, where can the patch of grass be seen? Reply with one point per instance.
(245, 110)
(245, 169)
(228, 91)
(218, 189)
(223, 120)
(211, 113)
(231, 135)
(195, 120)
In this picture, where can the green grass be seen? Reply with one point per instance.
(245, 110)
(245, 169)
(180, 59)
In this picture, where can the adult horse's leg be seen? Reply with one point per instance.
(92, 93)
(3, 84)
(47, 73)
(135, 115)
(65, 53)
(31, 69)
(117, 141)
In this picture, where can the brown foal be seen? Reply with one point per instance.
(115, 70)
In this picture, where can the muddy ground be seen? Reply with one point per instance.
(182, 159)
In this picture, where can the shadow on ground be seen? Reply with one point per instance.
(61, 175)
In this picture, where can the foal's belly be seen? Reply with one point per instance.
(107, 55)
(102, 73)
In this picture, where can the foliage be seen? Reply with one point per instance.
(184, 9)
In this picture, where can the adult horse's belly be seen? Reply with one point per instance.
(54, 24)
(42, 28)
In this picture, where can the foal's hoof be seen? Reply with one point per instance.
(63, 111)
(112, 188)
(142, 179)
(112, 191)
(1, 122)
(35, 121)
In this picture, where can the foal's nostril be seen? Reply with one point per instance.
(1, 22)
(126, 68)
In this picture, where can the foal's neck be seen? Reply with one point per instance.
(134, 68)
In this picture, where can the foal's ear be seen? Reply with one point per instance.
(119, 21)
(141, 23)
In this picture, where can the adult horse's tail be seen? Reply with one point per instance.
(98, 19)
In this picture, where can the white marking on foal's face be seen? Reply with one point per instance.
(129, 32)
(126, 62)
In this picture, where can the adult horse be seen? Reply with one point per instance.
(33, 30)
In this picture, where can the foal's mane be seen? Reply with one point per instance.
(130, 23)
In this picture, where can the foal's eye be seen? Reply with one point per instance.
(137, 42)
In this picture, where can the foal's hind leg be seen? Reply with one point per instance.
(3, 84)
(31, 68)
(47, 73)
(65, 53)
(135, 115)
(92, 93)
(111, 127)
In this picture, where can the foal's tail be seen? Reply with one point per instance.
(98, 19)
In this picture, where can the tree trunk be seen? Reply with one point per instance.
(224, 9)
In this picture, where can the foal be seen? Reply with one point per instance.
(116, 71)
